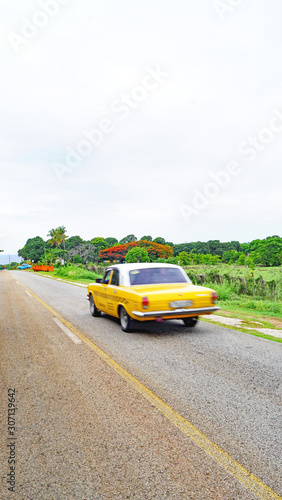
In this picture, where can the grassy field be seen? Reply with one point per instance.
(257, 291)
(267, 273)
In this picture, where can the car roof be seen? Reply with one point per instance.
(125, 269)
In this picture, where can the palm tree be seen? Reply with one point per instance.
(61, 230)
(57, 237)
(54, 240)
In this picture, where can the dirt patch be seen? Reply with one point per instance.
(276, 322)
(238, 322)
(268, 331)
(224, 320)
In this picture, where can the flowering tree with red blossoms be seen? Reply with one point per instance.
(155, 250)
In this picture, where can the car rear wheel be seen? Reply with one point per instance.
(125, 320)
(93, 309)
(190, 321)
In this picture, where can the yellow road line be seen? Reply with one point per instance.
(232, 466)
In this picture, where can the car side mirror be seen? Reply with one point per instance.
(98, 280)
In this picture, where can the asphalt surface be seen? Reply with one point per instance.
(83, 432)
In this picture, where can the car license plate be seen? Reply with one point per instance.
(181, 303)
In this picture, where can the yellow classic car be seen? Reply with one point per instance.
(146, 292)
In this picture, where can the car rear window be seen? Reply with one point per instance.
(156, 275)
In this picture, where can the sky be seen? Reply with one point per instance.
(152, 118)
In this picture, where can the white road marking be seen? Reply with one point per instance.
(29, 294)
(66, 330)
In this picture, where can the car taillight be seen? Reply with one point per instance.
(214, 297)
(145, 302)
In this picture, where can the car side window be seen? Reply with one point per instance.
(115, 278)
(106, 277)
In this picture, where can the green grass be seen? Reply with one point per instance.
(230, 300)
(73, 274)
(256, 307)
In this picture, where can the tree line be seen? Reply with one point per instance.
(59, 246)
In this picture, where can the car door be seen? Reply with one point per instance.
(112, 293)
(102, 297)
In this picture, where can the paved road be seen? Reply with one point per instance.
(83, 432)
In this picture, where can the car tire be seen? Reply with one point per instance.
(93, 309)
(190, 321)
(125, 320)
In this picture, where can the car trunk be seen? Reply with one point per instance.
(162, 296)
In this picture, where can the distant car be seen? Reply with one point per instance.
(24, 266)
(146, 292)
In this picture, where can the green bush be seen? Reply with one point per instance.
(224, 291)
(77, 259)
(137, 254)
(171, 260)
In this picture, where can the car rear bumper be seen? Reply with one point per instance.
(175, 312)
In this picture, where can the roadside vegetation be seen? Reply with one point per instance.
(257, 290)
(74, 273)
